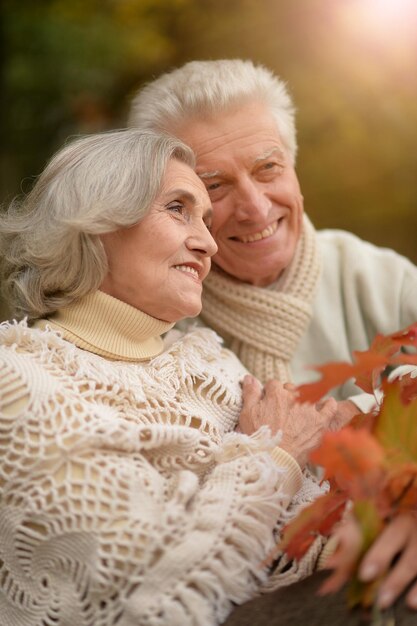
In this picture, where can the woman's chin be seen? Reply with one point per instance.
(192, 312)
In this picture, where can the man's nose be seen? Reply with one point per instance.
(251, 201)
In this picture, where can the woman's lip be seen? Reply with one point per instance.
(192, 269)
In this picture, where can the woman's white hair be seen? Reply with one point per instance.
(50, 247)
(202, 89)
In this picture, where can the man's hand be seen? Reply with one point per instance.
(276, 406)
(346, 410)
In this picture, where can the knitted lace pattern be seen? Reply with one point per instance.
(264, 326)
(126, 499)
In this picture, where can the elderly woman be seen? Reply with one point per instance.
(127, 495)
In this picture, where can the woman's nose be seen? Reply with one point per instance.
(202, 241)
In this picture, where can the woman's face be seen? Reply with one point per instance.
(158, 265)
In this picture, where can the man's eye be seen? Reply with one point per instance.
(272, 166)
(213, 186)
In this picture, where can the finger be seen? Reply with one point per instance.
(275, 389)
(328, 410)
(291, 387)
(390, 542)
(411, 598)
(400, 576)
(274, 386)
(348, 538)
(334, 582)
(252, 392)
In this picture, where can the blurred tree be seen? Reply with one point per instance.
(67, 68)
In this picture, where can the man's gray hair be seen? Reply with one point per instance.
(50, 243)
(202, 89)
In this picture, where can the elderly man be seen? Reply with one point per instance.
(281, 294)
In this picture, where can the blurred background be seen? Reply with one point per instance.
(71, 66)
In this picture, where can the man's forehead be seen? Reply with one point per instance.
(251, 160)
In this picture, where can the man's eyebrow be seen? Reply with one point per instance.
(212, 174)
(266, 155)
(261, 157)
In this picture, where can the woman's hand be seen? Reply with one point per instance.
(276, 406)
(399, 538)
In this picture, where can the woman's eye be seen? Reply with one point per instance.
(176, 208)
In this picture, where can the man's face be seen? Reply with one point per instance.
(253, 188)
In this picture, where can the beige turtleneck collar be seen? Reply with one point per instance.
(109, 327)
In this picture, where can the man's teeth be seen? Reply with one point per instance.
(266, 232)
(187, 268)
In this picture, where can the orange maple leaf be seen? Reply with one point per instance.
(396, 426)
(400, 491)
(334, 374)
(367, 365)
(317, 518)
(408, 388)
(354, 459)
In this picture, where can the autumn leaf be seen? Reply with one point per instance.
(367, 515)
(370, 524)
(317, 518)
(363, 594)
(366, 367)
(403, 359)
(354, 459)
(364, 421)
(396, 426)
(387, 346)
(370, 464)
(334, 374)
(399, 494)
(404, 337)
(408, 385)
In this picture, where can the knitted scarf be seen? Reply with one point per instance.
(264, 326)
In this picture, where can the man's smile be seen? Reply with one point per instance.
(261, 234)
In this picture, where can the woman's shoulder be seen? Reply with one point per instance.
(21, 337)
(28, 347)
(26, 364)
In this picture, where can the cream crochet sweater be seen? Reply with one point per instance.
(126, 496)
